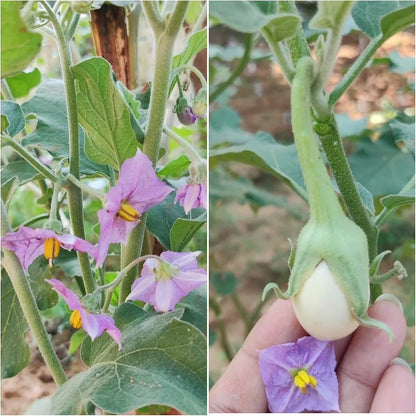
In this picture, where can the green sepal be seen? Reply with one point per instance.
(276, 289)
(374, 323)
(375, 264)
(292, 255)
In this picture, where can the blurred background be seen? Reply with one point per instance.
(252, 213)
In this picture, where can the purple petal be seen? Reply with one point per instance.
(143, 289)
(191, 199)
(137, 175)
(277, 364)
(166, 296)
(27, 243)
(68, 295)
(186, 260)
(70, 242)
(189, 281)
(112, 230)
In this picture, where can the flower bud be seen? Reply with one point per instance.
(82, 7)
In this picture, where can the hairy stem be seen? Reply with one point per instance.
(240, 68)
(354, 70)
(334, 150)
(165, 41)
(28, 304)
(74, 193)
(40, 167)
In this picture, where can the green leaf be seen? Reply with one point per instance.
(44, 295)
(330, 14)
(366, 197)
(15, 117)
(398, 20)
(176, 168)
(51, 132)
(19, 46)
(183, 230)
(244, 191)
(403, 130)
(405, 197)
(224, 283)
(40, 407)
(283, 27)
(381, 166)
(22, 170)
(15, 353)
(133, 105)
(68, 262)
(195, 306)
(162, 217)
(103, 114)
(382, 17)
(163, 361)
(266, 7)
(248, 18)
(21, 83)
(265, 153)
(76, 340)
(195, 44)
(8, 188)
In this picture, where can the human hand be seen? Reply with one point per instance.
(368, 380)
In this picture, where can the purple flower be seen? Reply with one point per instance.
(300, 376)
(164, 283)
(187, 116)
(137, 190)
(29, 243)
(192, 195)
(94, 324)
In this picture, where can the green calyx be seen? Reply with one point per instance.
(329, 236)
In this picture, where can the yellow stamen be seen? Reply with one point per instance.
(128, 213)
(302, 380)
(51, 249)
(75, 319)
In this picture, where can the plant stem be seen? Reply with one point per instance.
(133, 26)
(278, 49)
(240, 68)
(33, 220)
(193, 153)
(45, 171)
(28, 304)
(74, 193)
(324, 205)
(354, 70)
(298, 45)
(196, 71)
(334, 150)
(165, 36)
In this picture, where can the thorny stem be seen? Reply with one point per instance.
(192, 152)
(165, 36)
(240, 68)
(74, 193)
(45, 171)
(28, 304)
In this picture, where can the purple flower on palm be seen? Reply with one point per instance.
(94, 324)
(164, 283)
(29, 243)
(137, 190)
(192, 195)
(300, 376)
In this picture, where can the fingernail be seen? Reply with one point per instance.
(389, 298)
(400, 361)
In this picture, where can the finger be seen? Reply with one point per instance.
(395, 392)
(368, 355)
(241, 389)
